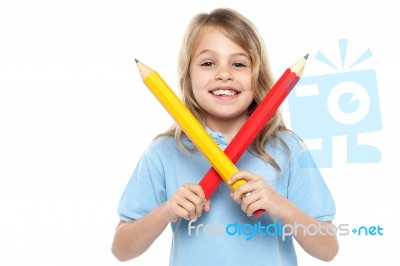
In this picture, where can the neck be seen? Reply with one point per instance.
(227, 127)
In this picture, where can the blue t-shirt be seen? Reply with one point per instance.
(225, 235)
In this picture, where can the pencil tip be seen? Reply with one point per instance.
(137, 61)
(306, 56)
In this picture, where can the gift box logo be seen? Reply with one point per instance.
(336, 104)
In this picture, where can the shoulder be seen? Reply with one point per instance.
(161, 142)
(166, 148)
(157, 155)
(161, 145)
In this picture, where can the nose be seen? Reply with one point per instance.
(223, 73)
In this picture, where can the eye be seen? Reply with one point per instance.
(238, 65)
(207, 64)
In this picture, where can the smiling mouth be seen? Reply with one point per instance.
(221, 92)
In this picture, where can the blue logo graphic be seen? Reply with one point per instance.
(336, 104)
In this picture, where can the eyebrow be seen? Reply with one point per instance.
(210, 51)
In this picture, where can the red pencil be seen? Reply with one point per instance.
(260, 116)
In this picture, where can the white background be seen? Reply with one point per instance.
(75, 117)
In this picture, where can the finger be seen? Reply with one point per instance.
(238, 176)
(207, 205)
(182, 212)
(241, 192)
(181, 200)
(243, 175)
(255, 208)
(198, 190)
(201, 201)
(255, 185)
(190, 209)
(195, 203)
(176, 209)
(248, 201)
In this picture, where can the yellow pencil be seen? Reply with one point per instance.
(189, 124)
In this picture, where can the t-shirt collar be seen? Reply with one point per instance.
(217, 136)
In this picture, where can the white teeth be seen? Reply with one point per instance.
(224, 92)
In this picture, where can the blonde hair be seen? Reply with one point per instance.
(240, 30)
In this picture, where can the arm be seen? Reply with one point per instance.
(323, 246)
(133, 238)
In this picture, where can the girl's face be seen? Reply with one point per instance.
(220, 72)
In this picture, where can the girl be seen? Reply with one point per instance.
(224, 73)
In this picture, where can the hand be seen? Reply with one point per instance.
(188, 202)
(256, 194)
